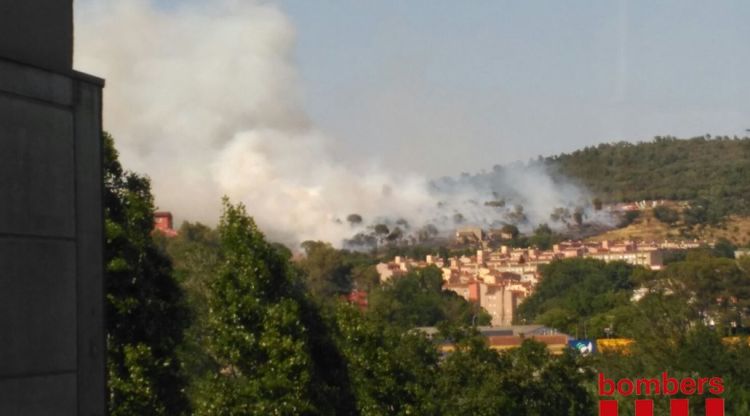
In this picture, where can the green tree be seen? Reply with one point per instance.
(710, 172)
(510, 229)
(540, 384)
(479, 371)
(724, 248)
(597, 204)
(718, 289)
(395, 235)
(365, 277)
(145, 311)
(523, 381)
(271, 350)
(666, 214)
(329, 272)
(574, 293)
(578, 216)
(381, 229)
(427, 233)
(418, 299)
(544, 237)
(628, 218)
(670, 326)
(195, 253)
(671, 336)
(325, 270)
(256, 338)
(392, 371)
(354, 219)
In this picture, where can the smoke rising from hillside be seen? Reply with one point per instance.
(205, 100)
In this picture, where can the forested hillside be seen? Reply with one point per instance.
(713, 173)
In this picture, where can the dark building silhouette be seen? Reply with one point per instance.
(51, 228)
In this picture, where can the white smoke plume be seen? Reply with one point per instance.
(205, 100)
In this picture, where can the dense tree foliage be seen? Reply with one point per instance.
(520, 382)
(397, 372)
(259, 336)
(575, 295)
(392, 370)
(272, 351)
(329, 272)
(145, 311)
(679, 325)
(325, 270)
(418, 299)
(331, 358)
(712, 173)
(196, 256)
(716, 289)
(542, 237)
(666, 214)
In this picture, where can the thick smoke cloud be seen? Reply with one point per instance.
(205, 100)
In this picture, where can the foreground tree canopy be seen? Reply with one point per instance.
(418, 299)
(255, 337)
(145, 312)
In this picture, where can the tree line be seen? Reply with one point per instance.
(710, 172)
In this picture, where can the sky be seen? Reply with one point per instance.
(308, 111)
(442, 87)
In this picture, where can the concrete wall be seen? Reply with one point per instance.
(51, 227)
(37, 32)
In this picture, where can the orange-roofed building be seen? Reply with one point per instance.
(358, 298)
(163, 223)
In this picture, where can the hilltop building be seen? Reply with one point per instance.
(164, 223)
(637, 205)
(468, 235)
(499, 298)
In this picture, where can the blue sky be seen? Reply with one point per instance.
(439, 87)
(442, 87)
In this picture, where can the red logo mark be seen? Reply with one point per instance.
(677, 407)
(661, 385)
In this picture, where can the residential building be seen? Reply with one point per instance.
(164, 224)
(500, 280)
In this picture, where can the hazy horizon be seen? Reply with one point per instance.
(493, 82)
(319, 110)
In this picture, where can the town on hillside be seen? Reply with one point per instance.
(499, 280)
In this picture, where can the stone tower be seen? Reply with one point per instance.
(51, 227)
